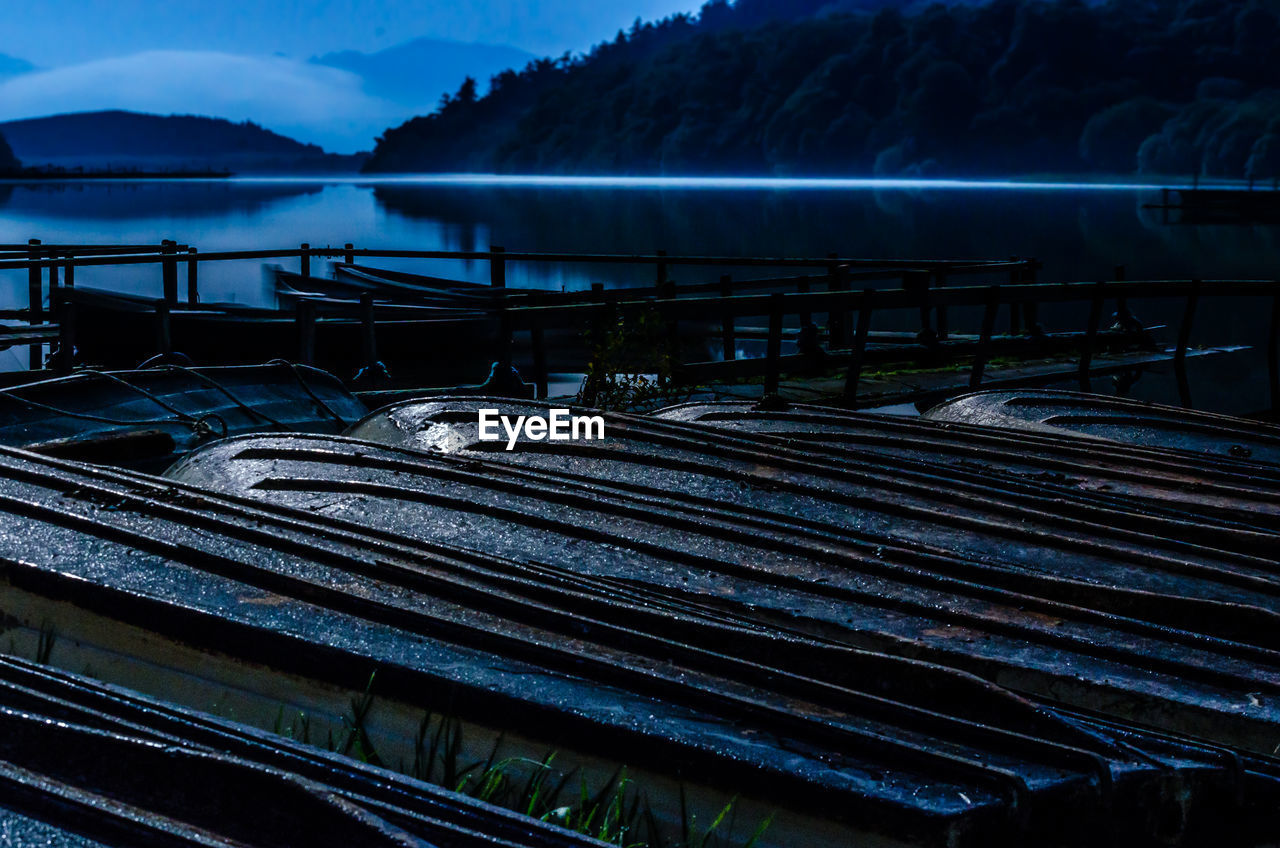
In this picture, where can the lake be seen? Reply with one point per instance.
(1079, 232)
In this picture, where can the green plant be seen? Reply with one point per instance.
(45, 642)
(617, 812)
(632, 361)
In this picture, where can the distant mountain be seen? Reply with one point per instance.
(119, 140)
(418, 72)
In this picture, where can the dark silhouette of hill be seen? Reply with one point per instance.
(861, 87)
(120, 140)
(417, 72)
(8, 162)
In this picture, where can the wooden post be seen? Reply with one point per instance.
(661, 280)
(69, 273)
(1015, 277)
(348, 256)
(1030, 308)
(728, 334)
(802, 287)
(35, 302)
(838, 321)
(169, 271)
(505, 357)
(1184, 329)
(940, 281)
(306, 321)
(66, 333)
(497, 267)
(164, 330)
(1091, 335)
(369, 331)
(537, 341)
(774, 348)
(193, 279)
(852, 376)
(53, 280)
(1123, 316)
(984, 340)
(304, 260)
(917, 283)
(1273, 350)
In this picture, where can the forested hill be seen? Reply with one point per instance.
(847, 87)
(8, 162)
(121, 140)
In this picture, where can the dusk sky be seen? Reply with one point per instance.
(248, 59)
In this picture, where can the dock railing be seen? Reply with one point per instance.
(837, 288)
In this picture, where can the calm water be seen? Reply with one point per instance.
(1079, 232)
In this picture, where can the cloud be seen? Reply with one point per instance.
(309, 102)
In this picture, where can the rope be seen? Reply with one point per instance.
(89, 416)
(204, 426)
(209, 381)
(297, 375)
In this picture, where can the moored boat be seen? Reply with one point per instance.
(234, 595)
(148, 418)
(1116, 419)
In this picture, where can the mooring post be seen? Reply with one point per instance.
(773, 354)
(193, 279)
(1030, 307)
(802, 287)
(35, 301)
(304, 260)
(1273, 350)
(537, 340)
(1123, 316)
(940, 282)
(917, 284)
(164, 331)
(837, 321)
(169, 271)
(1091, 335)
(505, 333)
(984, 339)
(1015, 319)
(66, 333)
(728, 332)
(369, 331)
(1184, 329)
(306, 322)
(497, 267)
(860, 334)
(348, 253)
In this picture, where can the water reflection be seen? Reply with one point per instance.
(1078, 232)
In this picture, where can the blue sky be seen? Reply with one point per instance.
(247, 59)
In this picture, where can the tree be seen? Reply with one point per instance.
(8, 162)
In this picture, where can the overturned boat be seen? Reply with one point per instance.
(147, 418)
(84, 763)
(1116, 419)
(198, 594)
(1148, 613)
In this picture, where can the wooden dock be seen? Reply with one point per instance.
(822, 307)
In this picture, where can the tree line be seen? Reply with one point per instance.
(858, 87)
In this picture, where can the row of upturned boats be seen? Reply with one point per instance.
(1023, 618)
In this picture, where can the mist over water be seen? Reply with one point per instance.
(1079, 231)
